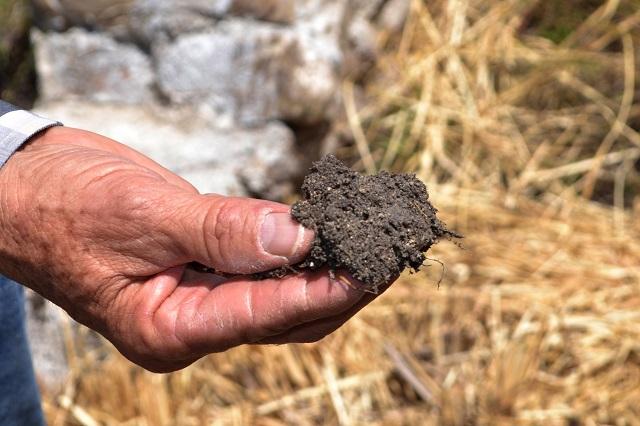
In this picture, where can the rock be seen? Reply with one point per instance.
(45, 328)
(249, 71)
(367, 9)
(252, 73)
(341, 31)
(282, 11)
(59, 15)
(91, 66)
(360, 47)
(393, 15)
(215, 159)
(147, 19)
(152, 20)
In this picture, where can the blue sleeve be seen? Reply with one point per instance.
(17, 127)
(5, 108)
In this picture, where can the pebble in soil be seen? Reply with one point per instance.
(374, 227)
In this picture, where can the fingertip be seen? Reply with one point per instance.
(247, 236)
(346, 280)
(282, 236)
(335, 292)
(303, 245)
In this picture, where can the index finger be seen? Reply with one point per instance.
(242, 311)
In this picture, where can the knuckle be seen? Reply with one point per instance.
(223, 221)
(228, 234)
(259, 327)
(211, 234)
(304, 304)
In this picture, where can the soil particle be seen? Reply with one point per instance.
(374, 227)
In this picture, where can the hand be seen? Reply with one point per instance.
(105, 233)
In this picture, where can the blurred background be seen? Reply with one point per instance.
(523, 118)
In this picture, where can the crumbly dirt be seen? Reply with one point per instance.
(374, 227)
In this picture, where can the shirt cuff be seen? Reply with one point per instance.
(16, 128)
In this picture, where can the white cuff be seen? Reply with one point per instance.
(16, 128)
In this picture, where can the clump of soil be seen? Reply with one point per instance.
(374, 227)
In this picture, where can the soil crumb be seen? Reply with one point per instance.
(374, 227)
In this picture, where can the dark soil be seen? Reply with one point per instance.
(374, 227)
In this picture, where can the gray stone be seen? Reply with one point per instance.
(93, 66)
(359, 47)
(59, 15)
(150, 19)
(339, 32)
(154, 20)
(252, 73)
(46, 330)
(215, 159)
(282, 11)
(367, 9)
(393, 15)
(245, 70)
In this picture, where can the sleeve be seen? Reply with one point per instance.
(17, 127)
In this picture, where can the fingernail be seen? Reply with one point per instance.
(281, 235)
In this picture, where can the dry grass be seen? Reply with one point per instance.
(537, 321)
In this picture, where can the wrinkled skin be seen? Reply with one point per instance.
(106, 234)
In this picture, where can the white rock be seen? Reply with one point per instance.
(92, 66)
(148, 18)
(151, 20)
(46, 330)
(253, 73)
(394, 14)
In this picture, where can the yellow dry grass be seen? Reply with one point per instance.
(537, 320)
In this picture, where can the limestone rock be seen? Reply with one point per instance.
(360, 48)
(393, 15)
(215, 159)
(91, 66)
(282, 11)
(249, 71)
(45, 328)
(152, 20)
(252, 73)
(148, 19)
(59, 15)
(338, 32)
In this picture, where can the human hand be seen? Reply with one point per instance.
(105, 233)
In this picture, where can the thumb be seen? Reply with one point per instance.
(240, 235)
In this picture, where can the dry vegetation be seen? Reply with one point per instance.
(527, 132)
